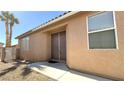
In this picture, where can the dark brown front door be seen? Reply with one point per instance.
(55, 46)
(62, 45)
(58, 46)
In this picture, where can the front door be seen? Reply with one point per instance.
(55, 46)
(58, 46)
(63, 45)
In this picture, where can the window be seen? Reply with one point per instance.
(101, 31)
(25, 43)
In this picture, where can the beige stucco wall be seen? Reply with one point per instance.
(39, 47)
(108, 63)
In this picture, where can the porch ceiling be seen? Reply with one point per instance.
(56, 29)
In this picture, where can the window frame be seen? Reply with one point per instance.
(115, 30)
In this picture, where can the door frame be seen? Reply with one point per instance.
(59, 54)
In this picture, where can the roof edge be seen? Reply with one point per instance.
(47, 24)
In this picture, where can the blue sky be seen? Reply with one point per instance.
(28, 20)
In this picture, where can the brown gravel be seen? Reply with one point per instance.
(19, 72)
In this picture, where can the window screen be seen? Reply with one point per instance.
(101, 21)
(25, 43)
(103, 39)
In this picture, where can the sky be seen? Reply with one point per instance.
(28, 20)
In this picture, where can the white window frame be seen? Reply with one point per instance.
(115, 30)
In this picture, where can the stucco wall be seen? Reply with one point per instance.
(39, 47)
(108, 63)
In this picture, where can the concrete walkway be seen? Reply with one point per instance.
(60, 72)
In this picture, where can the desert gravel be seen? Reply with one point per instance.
(15, 71)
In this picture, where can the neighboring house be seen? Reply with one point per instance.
(1, 45)
(88, 41)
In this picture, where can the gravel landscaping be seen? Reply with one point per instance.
(18, 71)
